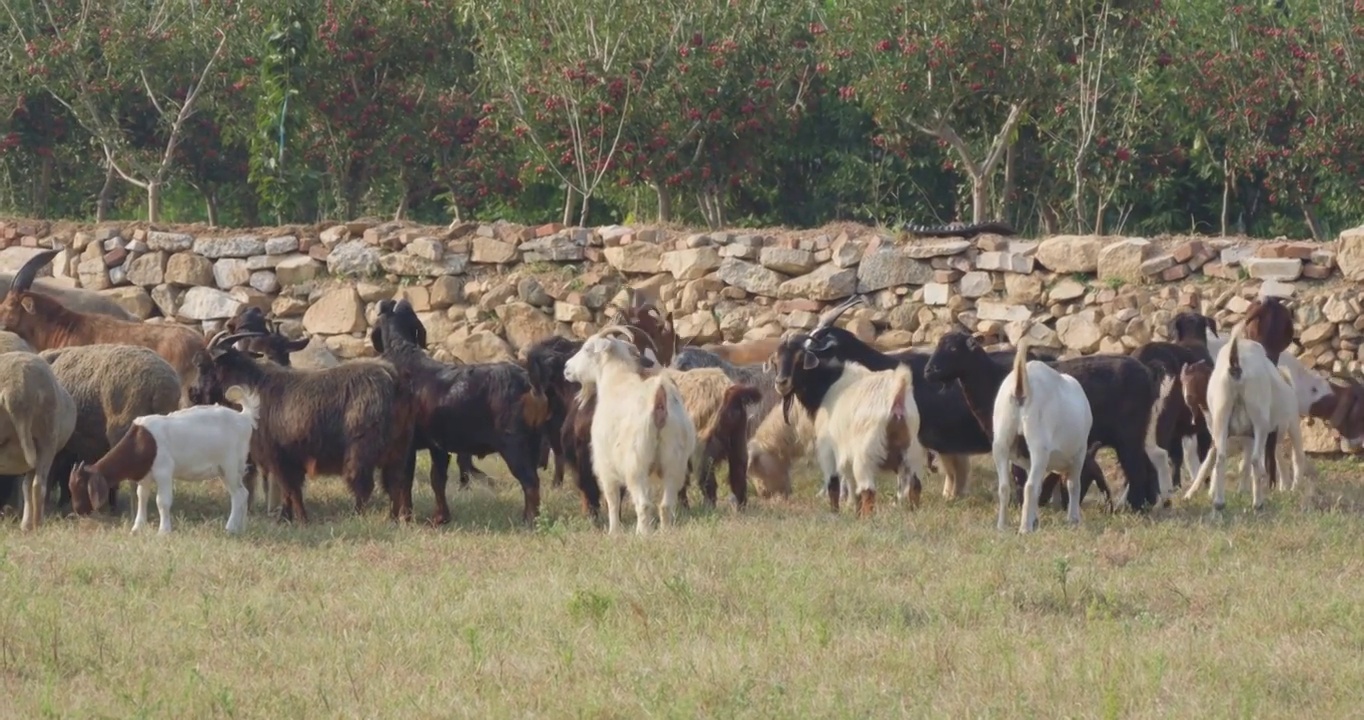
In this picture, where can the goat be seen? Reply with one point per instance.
(1247, 396)
(111, 385)
(467, 409)
(948, 425)
(745, 353)
(715, 405)
(758, 376)
(864, 420)
(346, 420)
(642, 437)
(270, 343)
(195, 443)
(1343, 411)
(545, 368)
(774, 448)
(45, 324)
(650, 328)
(408, 324)
(1270, 323)
(1176, 422)
(37, 416)
(1042, 419)
(1125, 402)
(78, 299)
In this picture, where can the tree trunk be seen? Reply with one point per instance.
(665, 202)
(568, 205)
(1006, 195)
(42, 188)
(211, 205)
(582, 214)
(401, 212)
(1313, 222)
(154, 188)
(106, 195)
(1226, 195)
(980, 197)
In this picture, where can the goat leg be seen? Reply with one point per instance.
(832, 486)
(1272, 461)
(440, 477)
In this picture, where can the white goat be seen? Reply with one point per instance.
(1050, 412)
(1248, 397)
(195, 443)
(641, 434)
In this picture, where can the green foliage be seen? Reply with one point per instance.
(1173, 116)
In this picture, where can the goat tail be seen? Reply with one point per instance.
(660, 409)
(1021, 371)
(22, 420)
(248, 399)
(1234, 354)
(738, 395)
(535, 407)
(1166, 385)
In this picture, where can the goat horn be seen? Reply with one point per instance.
(832, 315)
(23, 279)
(229, 340)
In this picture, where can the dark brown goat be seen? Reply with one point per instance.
(651, 329)
(545, 367)
(271, 343)
(473, 409)
(1343, 411)
(45, 323)
(1176, 420)
(347, 420)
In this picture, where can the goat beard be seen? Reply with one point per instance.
(786, 401)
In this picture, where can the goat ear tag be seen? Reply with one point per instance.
(27, 304)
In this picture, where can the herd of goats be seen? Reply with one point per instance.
(91, 397)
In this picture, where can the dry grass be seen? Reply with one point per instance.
(786, 612)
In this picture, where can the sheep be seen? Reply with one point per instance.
(1042, 420)
(642, 436)
(411, 326)
(111, 385)
(1247, 396)
(479, 409)
(9, 342)
(346, 420)
(37, 416)
(46, 324)
(1125, 402)
(864, 420)
(948, 425)
(80, 300)
(195, 443)
(773, 448)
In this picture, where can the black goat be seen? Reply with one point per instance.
(947, 425)
(468, 409)
(270, 343)
(347, 420)
(545, 366)
(407, 322)
(1123, 395)
(1177, 420)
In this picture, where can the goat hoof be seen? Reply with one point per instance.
(439, 519)
(1219, 507)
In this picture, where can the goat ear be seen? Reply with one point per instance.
(1212, 325)
(1172, 329)
(98, 488)
(808, 360)
(27, 303)
(296, 345)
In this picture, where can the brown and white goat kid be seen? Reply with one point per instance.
(195, 443)
(1042, 421)
(641, 434)
(1248, 397)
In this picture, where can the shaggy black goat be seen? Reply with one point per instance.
(474, 409)
(545, 366)
(405, 319)
(270, 343)
(347, 420)
(1122, 396)
(947, 425)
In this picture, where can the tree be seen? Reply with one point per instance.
(964, 72)
(92, 55)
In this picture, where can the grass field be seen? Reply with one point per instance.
(786, 612)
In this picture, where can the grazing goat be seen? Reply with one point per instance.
(1247, 396)
(642, 436)
(45, 324)
(468, 409)
(112, 385)
(948, 426)
(346, 420)
(865, 421)
(715, 405)
(774, 448)
(1343, 411)
(37, 416)
(405, 319)
(1125, 402)
(1042, 421)
(196, 443)
(758, 376)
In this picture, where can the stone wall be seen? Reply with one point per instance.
(487, 290)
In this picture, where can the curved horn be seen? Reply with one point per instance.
(23, 279)
(832, 315)
(221, 341)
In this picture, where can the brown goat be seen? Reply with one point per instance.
(651, 329)
(1270, 323)
(45, 324)
(753, 352)
(1343, 411)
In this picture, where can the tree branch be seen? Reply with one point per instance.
(187, 108)
(1002, 139)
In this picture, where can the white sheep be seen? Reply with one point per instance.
(641, 434)
(864, 421)
(195, 443)
(1248, 397)
(1049, 412)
